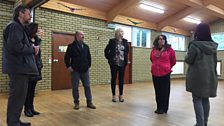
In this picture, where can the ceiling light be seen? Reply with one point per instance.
(152, 8)
(192, 20)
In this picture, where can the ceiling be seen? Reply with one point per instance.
(121, 10)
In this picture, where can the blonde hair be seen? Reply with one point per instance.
(118, 31)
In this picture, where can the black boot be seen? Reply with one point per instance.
(35, 112)
(28, 113)
(25, 123)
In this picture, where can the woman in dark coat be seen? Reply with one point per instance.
(29, 110)
(116, 52)
(202, 79)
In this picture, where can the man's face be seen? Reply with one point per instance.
(26, 16)
(80, 36)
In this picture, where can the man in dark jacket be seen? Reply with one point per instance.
(18, 63)
(78, 61)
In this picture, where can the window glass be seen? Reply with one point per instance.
(177, 41)
(219, 38)
(141, 37)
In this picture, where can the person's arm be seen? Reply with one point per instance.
(16, 42)
(107, 50)
(191, 54)
(172, 58)
(151, 55)
(67, 59)
(89, 57)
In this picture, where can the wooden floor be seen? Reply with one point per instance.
(56, 108)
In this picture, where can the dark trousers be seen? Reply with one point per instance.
(17, 94)
(84, 76)
(162, 91)
(30, 95)
(114, 71)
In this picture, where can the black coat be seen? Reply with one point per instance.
(38, 59)
(78, 57)
(110, 51)
(18, 53)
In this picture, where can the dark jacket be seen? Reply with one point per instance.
(18, 53)
(38, 60)
(78, 57)
(110, 51)
(202, 79)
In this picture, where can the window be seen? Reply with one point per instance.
(218, 68)
(219, 38)
(141, 37)
(127, 31)
(137, 36)
(177, 41)
(178, 68)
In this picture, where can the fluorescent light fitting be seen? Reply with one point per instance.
(192, 20)
(151, 8)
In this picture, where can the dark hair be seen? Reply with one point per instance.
(156, 42)
(76, 33)
(19, 8)
(31, 29)
(202, 33)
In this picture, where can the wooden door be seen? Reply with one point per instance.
(128, 70)
(61, 78)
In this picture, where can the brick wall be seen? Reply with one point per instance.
(6, 15)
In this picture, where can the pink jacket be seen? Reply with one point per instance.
(162, 62)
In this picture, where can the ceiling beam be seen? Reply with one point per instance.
(205, 4)
(119, 8)
(191, 3)
(175, 17)
(214, 10)
(27, 2)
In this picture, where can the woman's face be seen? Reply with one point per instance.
(161, 41)
(120, 34)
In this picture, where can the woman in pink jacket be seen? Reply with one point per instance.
(163, 59)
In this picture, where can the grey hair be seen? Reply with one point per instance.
(117, 31)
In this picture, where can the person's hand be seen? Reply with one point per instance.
(70, 69)
(36, 49)
(40, 33)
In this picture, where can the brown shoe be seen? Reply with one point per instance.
(76, 107)
(90, 105)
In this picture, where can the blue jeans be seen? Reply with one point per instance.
(84, 77)
(201, 108)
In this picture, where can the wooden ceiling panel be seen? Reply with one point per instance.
(121, 10)
(137, 12)
(201, 14)
(182, 24)
(204, 16)
(170, 9)
(102, 5)
(122, 6)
